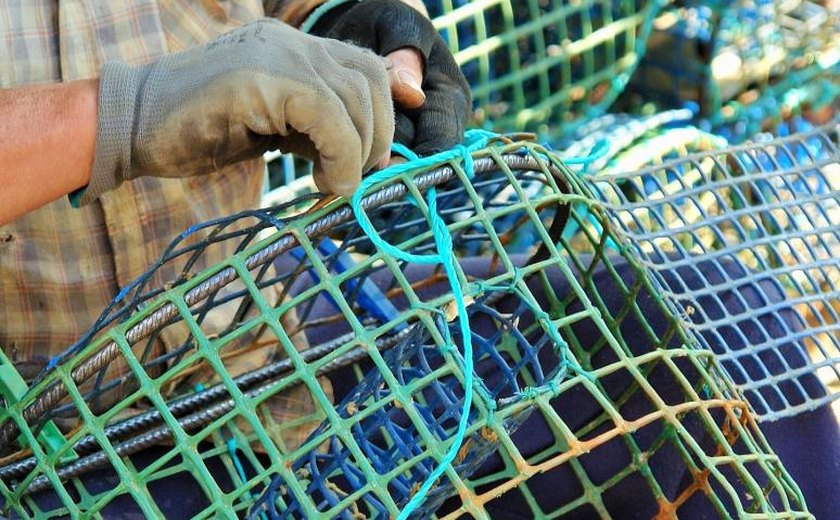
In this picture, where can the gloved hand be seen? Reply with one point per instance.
(259, 87)
(387, 25)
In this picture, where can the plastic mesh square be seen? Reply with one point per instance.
(544, 66)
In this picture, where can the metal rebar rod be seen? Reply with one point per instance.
(56, 393)
(182, 406)
(196, 420)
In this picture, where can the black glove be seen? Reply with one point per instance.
(388, 25)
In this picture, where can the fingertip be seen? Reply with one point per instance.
(406, 77)
(342, 189)
(397, 159)
(380, 150)
(346, 190)
(342, 182)
(406, 90)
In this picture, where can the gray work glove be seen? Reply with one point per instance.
(262, 86)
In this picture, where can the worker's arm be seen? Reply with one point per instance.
(47, 136)
(260, 87)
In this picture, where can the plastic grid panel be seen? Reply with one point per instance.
(544, 66)
(566, 320)
(774, 209)
(723, 54)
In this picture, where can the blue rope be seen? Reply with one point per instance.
(474, 140)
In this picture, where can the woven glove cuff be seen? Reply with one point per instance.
(119, 86)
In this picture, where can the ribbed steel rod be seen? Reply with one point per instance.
(196, 420)
(182, 406)
(56, 393)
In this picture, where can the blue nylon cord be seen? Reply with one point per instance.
(240, 469)
(475, 140)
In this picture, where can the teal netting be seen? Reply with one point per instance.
(628, 325)
(223, 379)
(772, 207)
(544, 66)
(725, 54)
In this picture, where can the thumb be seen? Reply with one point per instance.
(406, 76)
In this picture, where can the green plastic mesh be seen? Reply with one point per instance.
(311, 374)
(544, 66)
(772, 207)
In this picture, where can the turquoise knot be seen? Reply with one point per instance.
(445, 256)
(517, 277)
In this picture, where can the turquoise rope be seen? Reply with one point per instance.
(232, 447)
(474, 140)
(319, 12)
(600, 149)
(240, 470)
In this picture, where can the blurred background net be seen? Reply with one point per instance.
(634, 316)
(544, 65)
(723, 55)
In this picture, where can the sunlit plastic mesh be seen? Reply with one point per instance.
(312, 374)
(544, 66)
(726, 54)
(773, 210)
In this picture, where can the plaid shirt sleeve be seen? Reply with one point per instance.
(60, 266)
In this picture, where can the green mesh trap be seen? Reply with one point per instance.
(727, 55)
(772, 208)
(544, 66)
(313, 375)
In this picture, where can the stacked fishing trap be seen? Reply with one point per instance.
(501, 330)
(544, 66)
(748, 63)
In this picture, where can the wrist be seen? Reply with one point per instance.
(116, 100)
(81, 105)
(47, 137)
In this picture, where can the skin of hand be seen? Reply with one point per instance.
(405, 74)
(47, 135)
